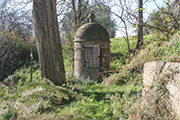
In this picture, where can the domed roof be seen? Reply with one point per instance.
(91, 32)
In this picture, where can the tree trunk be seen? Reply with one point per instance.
(48, 41)
(140, 25)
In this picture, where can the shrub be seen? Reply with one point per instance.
(14, 52)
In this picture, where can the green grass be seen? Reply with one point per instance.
(95, 101)
(113, 99)
(119, 53)
(87, 101)
(99, 104)
(119, 45)
(154, 48)
(119, 49)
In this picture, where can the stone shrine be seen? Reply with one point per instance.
(91, 50)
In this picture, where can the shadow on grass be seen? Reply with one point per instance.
(98, 95)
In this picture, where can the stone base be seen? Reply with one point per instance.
(155, 69)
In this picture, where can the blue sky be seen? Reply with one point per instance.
(150, 6)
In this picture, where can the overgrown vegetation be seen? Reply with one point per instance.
(85, 99)
(117, 97)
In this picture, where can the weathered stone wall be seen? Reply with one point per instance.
(90, 59)
(155, 69)
(81, 70)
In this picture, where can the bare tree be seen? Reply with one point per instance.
(48, 40)
(124, 17)
(12, 17)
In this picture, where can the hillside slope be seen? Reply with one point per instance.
(117, 97)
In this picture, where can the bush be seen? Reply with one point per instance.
(14, 52)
